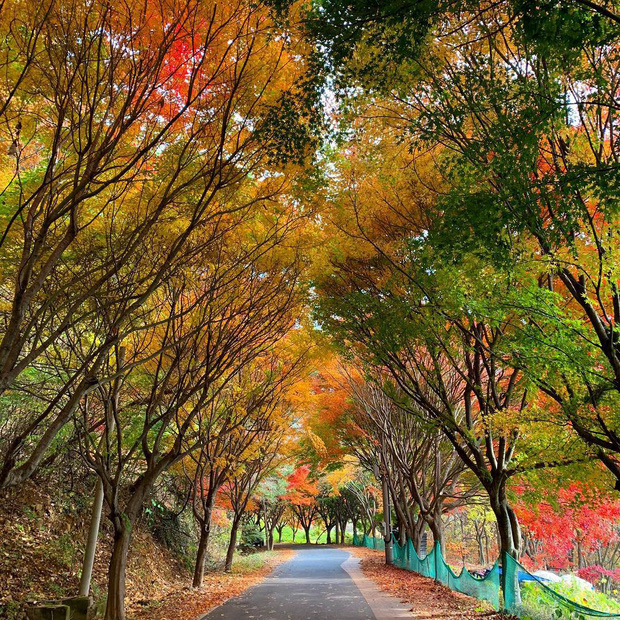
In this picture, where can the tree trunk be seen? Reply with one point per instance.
(436, 527)
(507, 524)
(91, 543)
(232, 544)
(515, 528)
(115, 606)
(506, 544)
(201, 555)
(307, 532)
(205, 532)
(329, 535)
(418, 532)
(415, 540)
(480, 549)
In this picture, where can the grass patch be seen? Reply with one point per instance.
(252, 562)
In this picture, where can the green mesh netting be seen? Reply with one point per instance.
(531, 599)
(412, 561)
(434, 566)
(363, 540)
(523, 594)
(486, 589)
(374, 542)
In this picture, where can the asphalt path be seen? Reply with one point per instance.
(311, 585)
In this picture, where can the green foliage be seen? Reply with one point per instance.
(539, 603)
(289, 129)
(347, 34)
(554, 26)
(251, 536)
(377, 44)
(12, 610)
(169, 527)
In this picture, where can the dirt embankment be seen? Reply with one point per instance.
(41, 545)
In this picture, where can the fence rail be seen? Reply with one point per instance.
(517, 592)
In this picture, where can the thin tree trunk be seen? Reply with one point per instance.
(232, 544)
(480, 549)
(201, 554)
(91, 544)
(205, 532)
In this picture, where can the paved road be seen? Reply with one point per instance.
(311, 585)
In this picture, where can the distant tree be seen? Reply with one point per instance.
(301, 493)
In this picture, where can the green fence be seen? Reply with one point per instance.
(519, 593)
(369, 541)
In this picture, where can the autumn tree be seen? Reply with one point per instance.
(244, 486)
(516, 107)
(301, 493)
(271, 506)
(234, 433)
(188, 362)
(124, 165)
(577, 527)
(327, 508)
(424, 470)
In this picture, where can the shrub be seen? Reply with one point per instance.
(251, 536)
(539, 603)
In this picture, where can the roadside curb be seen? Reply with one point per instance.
(383, 606)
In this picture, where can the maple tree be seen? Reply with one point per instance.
(580, 524)
(423, 470)
(301, 493)
(184, 389)
(233, 431)
(460, 241)
(244, 491)
(95, 175)
(271, 505)
(524, 156)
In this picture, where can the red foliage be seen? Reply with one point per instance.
(301, 488)
(580, 520)
(596, 574)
